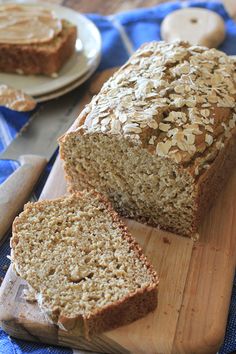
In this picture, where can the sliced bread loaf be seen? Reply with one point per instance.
(87, 271)
(159, 138)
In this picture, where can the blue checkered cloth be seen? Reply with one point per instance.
(121, 34)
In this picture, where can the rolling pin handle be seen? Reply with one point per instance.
(15, 191)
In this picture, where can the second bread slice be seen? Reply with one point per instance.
(88, 273)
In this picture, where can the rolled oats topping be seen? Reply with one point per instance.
(174, 99)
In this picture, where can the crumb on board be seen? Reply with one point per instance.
(166, 240)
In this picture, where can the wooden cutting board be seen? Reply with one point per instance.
(195, 284)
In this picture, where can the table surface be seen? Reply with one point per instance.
(107, 7)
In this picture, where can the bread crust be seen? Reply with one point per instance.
(212, 181)
(46, 58)
(123, 312)
(126, 310)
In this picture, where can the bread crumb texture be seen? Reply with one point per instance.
(79, 259)
(157, 126)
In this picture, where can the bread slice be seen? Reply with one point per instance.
(159, 138)
(43, 58)
(88, 272)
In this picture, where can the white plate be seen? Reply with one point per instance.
(65, 89)
(88, 52)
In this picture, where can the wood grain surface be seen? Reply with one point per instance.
(107, 7)
(195, 284)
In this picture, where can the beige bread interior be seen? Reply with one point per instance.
(86, 270)
(140, 185)
(160, 130)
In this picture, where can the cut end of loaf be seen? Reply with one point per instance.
(141, 186)
(88, 273)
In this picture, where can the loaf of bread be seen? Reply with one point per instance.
(21, 53)
(87, 271)
(159, 138)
